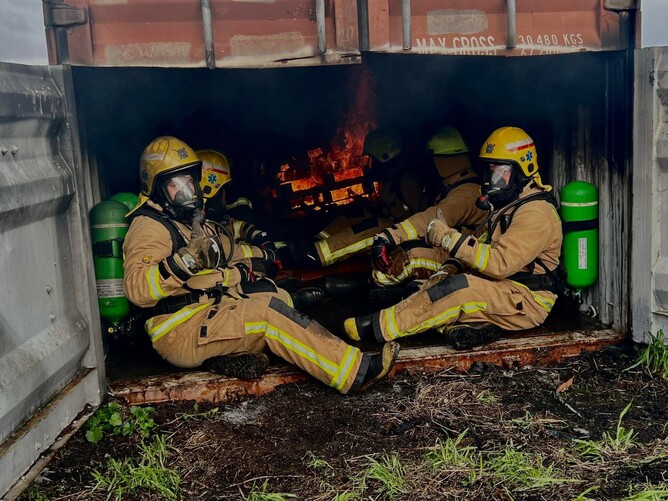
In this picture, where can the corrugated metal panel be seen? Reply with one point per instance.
(650, 201)
(46, 320)
(245, 33)
(480, 27)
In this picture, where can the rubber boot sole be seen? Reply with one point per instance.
(390, 354)
(240, 365)
(468, 336)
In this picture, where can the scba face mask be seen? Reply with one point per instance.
(502, 184)
(182, 195)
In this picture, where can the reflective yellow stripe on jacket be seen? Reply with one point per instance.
(174, 320)
(339, 372)
(153, 279)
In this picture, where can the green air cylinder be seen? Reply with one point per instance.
(108, 227)
(579, 213)
(130, 200)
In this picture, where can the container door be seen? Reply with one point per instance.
(51, 358)
(649, 277)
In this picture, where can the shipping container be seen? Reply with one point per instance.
(269, 82)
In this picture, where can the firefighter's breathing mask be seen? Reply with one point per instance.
(182, 195)
(502, 184)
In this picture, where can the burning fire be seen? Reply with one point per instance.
(343, 160)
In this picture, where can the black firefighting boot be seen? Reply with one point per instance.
(343, 286)
(380, 364)
(360, 328)
(308, 296)
(238, 365)
(467, 336)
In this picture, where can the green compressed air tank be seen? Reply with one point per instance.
(579, 214)
(108, 227)
(130, 200)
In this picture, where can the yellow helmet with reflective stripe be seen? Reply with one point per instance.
(511, 145)
(164, 155)
(216, 171)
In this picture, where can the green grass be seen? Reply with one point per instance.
(521, 470)
(151, 474)
(486, 397)
(622, 440)
(387, 474)
(261, 494)
(452, 452)
(649, 493)
(583, 495)
(654, 358)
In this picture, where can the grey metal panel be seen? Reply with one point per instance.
(649, 286)
(653, 19)
(48, 331)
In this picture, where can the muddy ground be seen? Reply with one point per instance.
(518, 436)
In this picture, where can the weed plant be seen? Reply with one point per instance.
(109, 418)
(654, 358)
(453, 453)
(388, 473)
(123, 477)
(261, 494)
(622, 440)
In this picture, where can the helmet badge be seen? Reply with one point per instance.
(182, 153)
(490, 148)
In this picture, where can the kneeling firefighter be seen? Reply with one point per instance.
(400, 252)
(191, 278)
(511, 261)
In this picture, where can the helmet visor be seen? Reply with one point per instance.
(181, 191)
(499, 177)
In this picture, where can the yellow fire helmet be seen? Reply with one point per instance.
(216, 171)
(163, 155)
(447, 141)
(513, 145)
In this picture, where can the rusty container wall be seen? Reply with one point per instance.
(212, 33)
(481, 27)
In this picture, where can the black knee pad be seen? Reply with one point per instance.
(290, 313)
(447, 286)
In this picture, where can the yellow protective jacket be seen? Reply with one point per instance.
(458, 208)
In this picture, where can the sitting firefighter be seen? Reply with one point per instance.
(401, 194)
(399, 252)
(216, 177)
(512, 260)
(190, 277)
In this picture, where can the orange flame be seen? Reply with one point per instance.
(343, 160)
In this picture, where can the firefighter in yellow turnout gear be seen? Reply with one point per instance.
(512, 276)
(401, 194)
(400, 252)
(191, 277)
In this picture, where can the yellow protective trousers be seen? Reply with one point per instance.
(252, 324)
(464, 298)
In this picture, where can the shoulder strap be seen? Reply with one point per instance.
(177, 239)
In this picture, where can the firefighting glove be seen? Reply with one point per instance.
(246, 274)
(266, 267)
(201, 253)
(380, 253)
(439, 233)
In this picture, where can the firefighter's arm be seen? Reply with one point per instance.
(524, 240)
(150, 270)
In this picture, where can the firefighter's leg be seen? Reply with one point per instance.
(265, 321)
(459, 298)
(352, 240)
(411, 261)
